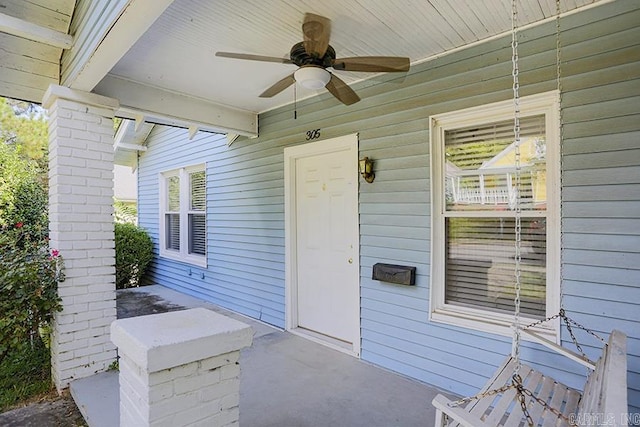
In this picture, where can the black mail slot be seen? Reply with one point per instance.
(400, 274)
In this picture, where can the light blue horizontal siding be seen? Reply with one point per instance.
(245, 238)
(600, 193)
(601, 89)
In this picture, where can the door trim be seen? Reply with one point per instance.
(349, 144)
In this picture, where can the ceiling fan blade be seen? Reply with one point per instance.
(254, 57)
(278, 87)
(340, 90)
(373, 64)
(316, 31)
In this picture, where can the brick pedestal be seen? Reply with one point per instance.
(180, 368)
(81, 228)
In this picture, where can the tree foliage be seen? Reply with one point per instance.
(24, 126)
(23, 189)
(23, 169)
(23, 196)
(125, 212)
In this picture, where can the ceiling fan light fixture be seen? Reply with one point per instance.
(312, 77)
(314, 55)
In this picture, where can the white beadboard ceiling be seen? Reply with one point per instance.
(178, 51)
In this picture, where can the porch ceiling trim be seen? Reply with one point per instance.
(54, 92)
(133, 22)
(132, 147)
(28, 30)
(165, 107)
(129, 136)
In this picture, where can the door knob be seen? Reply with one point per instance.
(350, 260)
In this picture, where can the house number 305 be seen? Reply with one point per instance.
(313, 134)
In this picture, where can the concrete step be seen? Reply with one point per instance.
(97, 398)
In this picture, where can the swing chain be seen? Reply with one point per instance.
(562, 314)
(579, 326)
(561, 136)
(569, 323)
(518, 220)
(522, 391)
(516, 382)
(481, 395)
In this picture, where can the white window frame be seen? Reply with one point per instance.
(476, 318)
(183, 254)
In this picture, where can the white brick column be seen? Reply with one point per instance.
(81, 228)
(180, 368)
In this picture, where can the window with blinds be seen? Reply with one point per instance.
(480, 181)
(183, 205)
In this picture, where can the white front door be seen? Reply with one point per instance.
(326, 242)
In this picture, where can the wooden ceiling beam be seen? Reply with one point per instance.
(28, 30)
(132, 23)
(174, 109)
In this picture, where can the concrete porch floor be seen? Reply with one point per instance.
(286, 380)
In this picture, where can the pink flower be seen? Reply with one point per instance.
(19, 224)
(55, 253)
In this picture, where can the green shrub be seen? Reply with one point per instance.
(134, 252)
(29, 276)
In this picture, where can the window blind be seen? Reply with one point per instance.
(197, 233)
(197, 186)
(172, 221)
(480, 179)
(480, 264)
(197, 214)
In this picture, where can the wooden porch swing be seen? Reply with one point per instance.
(531, 398)
(517, 394)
